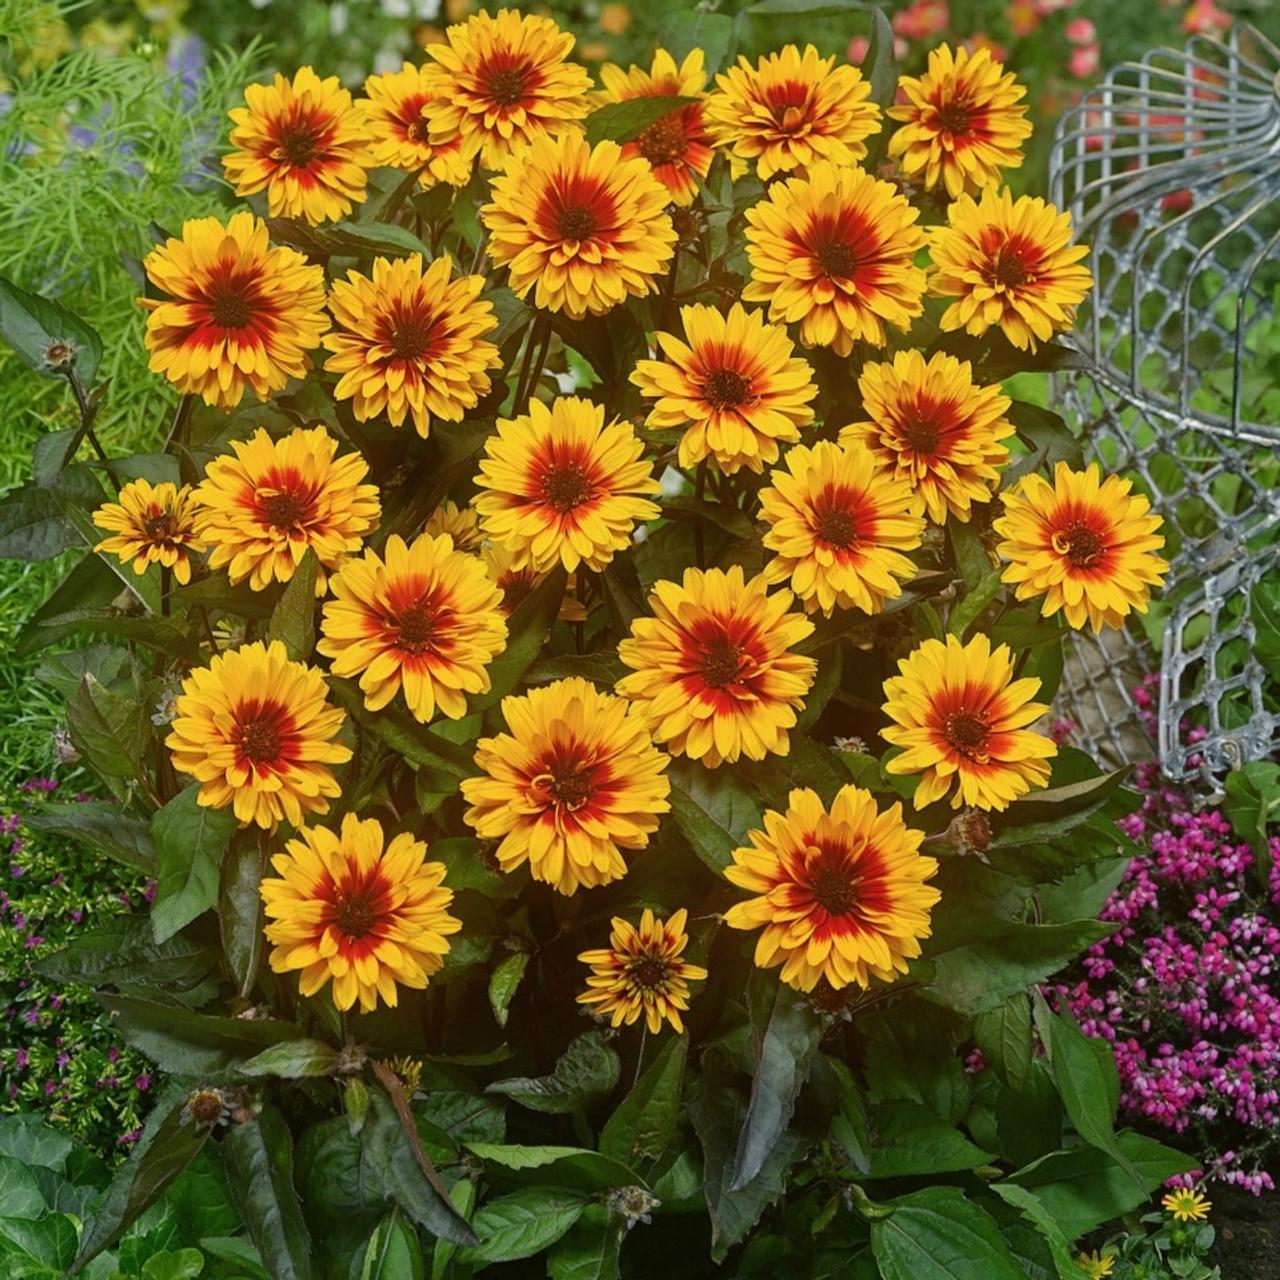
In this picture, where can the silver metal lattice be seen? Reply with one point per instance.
(1171, 170)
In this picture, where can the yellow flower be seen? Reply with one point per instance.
(501, 81)
(963, 121)
(260, 509)
(254, 729)
(411, 342)
(421, 616)
(962, 718)
(930, 425)
(304, 143)
(678, 145)
(1009, 263)
(1187, 1205)
(516, 581)
(1085, 544)
(585, 226)
(642, 973)
(561, 487)
(1097, 1265)
(151, 524)
(346, 909)
(462, 524)
(239, 313)
(574, 782)
(835, 252)
(839, 895)
(395, 119)
(713, 670)
(792, 110)
(838, 528)
(733, 384)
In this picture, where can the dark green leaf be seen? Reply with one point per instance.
(101, 826)
(504, 982)
(602, 669)
(521, 1224)
(32, 325)
(1252, 806)
(732, 520)
(938, 1234)
(526, 633)
(1004, 1036)
(623, 121)
(393, 1252)
(1086, 1076)
(1029, 1117)
(110, 730)
(190, 840)
(592, 1248)
(644, 1125)
(122, 951)
(1049, 438)
(547, 1166)
(880, 66)
(293, 621)
(714, 809)
(909, 1139)
(1034, 1212)
(697, 28)
(240, 911)
(348, 239)
(400, 731)
(20, 1194)
(293, 1060)
(587, 1070)
(33, 525)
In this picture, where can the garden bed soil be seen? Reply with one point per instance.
(1248, 1234)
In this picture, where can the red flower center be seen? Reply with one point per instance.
(409, 338)
(301, 142)
(159, 526)
(1082, 546)
(648, 973)
(282, 510)
(921, 434)
(575, 222)
(506, 85)
(664, 141)
(1009, 270)
(353, 913)
(566, 486)
(966, 732)
(260, 741)
(721, 664)
(835, 257)
(415, 628)
(230, 309)
(726, 389)
(834, 888)
(837, 527)
(570, 788)
(419, 129)
(954, 118)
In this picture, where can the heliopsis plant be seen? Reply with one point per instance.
(574, 667)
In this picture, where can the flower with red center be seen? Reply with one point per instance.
(1009, 263)
(677, 146)
(963, 121)
(304, 143)
(713, 670)
(462, 524)
(961, 718)
(254, 729)
(840, 895)
(835, 252)
(838, 528)
(501, 81)
(411, 342)
(421, 617)
(561, 487)
(733, 384)
(930, 425)
(396, 121)
(238, 314)
(1087, 545)
(573, 783)
(350, 908)
(262, 508)
(151, 524)
(792, 110)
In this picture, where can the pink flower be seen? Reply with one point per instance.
(857, 50)
(1204, 17)
(922, 19)
(1083, 61)
(1081, 31)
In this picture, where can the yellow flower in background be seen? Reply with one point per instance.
(930, 425)
(573, 783)
(1097, 1265)
(963, 121)
(1087, 545)
(411, 342)
(516, 580)
(642, 973)
(835, 253)
(239, 314)
(422, 617)
(304, 143)
(792, 110)
(500, 81)
(1009, 263)
(255, 730)
(838, 528)
(677, 146)
(263, 506)
(462, 524)
(368, 915)
(961, 719)
(395, 118)
(713, 670)
(1187, 1205)
(151, 524)
(561, 487)
(840, 895)
(585, 226)
(733, 384)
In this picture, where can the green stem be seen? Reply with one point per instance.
(699, 488)
(542, 327)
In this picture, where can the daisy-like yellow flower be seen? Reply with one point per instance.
(1187, 1205)
(502, 80)
(713, 670)
(584, 225)
(255, 730)
(642, 973)
(151, 524)
(792, 110)
(304, 143)
(411, 342)
(963, 121)
(462, 524)
(421, 616)
(396, 121)
(733, 384)
(1087, 545)
(260, 508)
(1009, 263)
(573, 783)
(930, 425)
(835, 252)
(367, 914)
(838, 528)
(560, 486)
(961, 718)
(678, 146)
(239, 312)
(516, 580)
(1097, 1265)
(839, 895)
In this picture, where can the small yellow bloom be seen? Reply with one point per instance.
(1097, 1265)
(462, 524)
(151, 524)
(1187, 1205)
